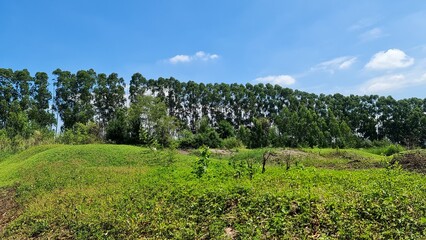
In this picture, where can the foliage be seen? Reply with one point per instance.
(149, 121)
(393, 149)
(19, 143)
(259, 115)
(232, 143)
(225, 129)
(245, 165)
(73, 98)
(260, 133)
(200, 167)
(109, 99)
(81, 134)
(386, 150)
(126, 192)
(117, 129)
(187, 140)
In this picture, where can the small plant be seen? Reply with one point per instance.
(171, 153)
(266, 155)
(244, 166)
(202, 163)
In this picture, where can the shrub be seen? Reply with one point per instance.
(5, 141)
(202, 163)
(187, 139)
(81, 134)
(116, 131)
(392, 149)
(232, 142)
(210, 138)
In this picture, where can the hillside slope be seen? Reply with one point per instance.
(127, 192)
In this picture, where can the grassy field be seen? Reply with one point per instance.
(127, 192)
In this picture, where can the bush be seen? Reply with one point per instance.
(81, 134)
(187, 140)
(232, 142)
(392, 149)
(19, 143)
(5, 141)
(116, 131)
(200, 167)
(210, 139)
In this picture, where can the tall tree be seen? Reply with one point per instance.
(109, 97)
(41, 96)
(22, 81)
(148, 116)
(73, 98)
(6, 95)
(138, 86)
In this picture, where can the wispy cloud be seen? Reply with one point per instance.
(389, 83)
(198, 56)
(283, 80)
(340, 63)
(362, 24)
(372, 34)
(367, 30)
(390, 59)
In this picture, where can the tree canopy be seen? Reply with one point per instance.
(167, 110)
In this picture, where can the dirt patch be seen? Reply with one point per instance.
(293, 153)
(9, 208)
(288, 156)
(230, 233)
(412, 161)
(184, 152)
(221, 152)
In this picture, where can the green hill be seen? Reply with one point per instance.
(127, 192)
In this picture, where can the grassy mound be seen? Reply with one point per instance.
(125, 192)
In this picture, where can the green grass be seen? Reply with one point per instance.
(126, 192)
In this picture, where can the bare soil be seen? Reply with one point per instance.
(287, 156)
(221, 152)
(184, 152)
(9, 208)
(293, 153)
(413, 161)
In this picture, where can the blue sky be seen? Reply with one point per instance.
(350, 47)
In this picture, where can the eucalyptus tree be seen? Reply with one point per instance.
(40, 111)
(22, 81)
(6, 95)
(260, 133)
(109, 97)
(74, 96)
(138, 86)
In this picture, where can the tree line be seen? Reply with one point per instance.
(96, 107)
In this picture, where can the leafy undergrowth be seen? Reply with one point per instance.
(125, 192)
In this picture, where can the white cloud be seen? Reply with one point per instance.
(180, 58)
(389, 83)
(339, 63)
(372, 34)
(383, 84)
(205, 56)
(200, 55)
(390, 59)
(276, 79)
